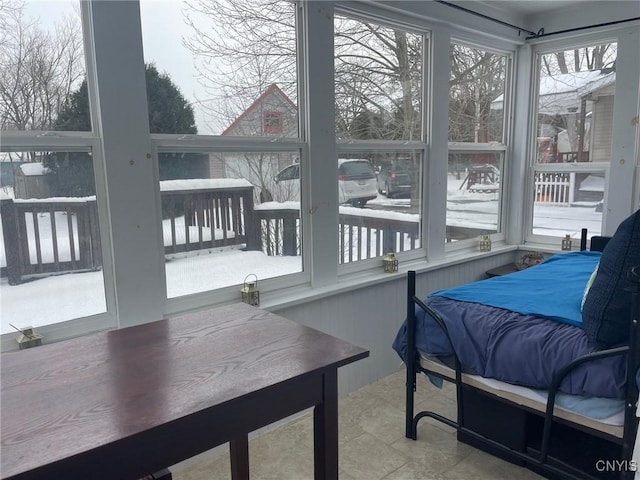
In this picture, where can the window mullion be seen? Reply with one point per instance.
(129, 172)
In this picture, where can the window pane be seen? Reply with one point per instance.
(378, 75)
(476, 95)
(223, 67)
(556, 210)
(574, 120)
(473, 194)
(575, 105)
(228, 215)
(51, 254)
(42, 69)
(380, 201)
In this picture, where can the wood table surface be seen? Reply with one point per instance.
(129, 402)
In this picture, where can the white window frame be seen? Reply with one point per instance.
(33, 140)
(504, 147)
(162, 143)
(544, 48)
(354, 146)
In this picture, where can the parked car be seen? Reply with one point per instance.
(395, 179)
(356, 181)
(288, 184)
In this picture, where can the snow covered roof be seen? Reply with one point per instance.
(592, 183)
(562, 94)
(33, 169)
(203, 183)
(597, 84)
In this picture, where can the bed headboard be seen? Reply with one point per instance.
(598, 242)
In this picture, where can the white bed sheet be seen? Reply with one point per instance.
(527, 397)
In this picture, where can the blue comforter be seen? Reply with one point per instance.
(551, 290)
(523, 348)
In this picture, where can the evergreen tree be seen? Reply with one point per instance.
(71, 174)
(169, 111)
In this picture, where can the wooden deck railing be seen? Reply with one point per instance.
(53, 235)
(362, 235)
(208, 218)
(279, 231)
(43, 237)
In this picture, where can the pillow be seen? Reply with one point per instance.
(607, 309)
(588, 287)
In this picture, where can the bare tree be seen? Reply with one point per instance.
(378, 74)
(38, 69)
(593, 57)
(242, 46)
(477, 80)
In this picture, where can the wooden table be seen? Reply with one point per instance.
(129, 402)
(501, 270)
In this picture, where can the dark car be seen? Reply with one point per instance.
(395, 179)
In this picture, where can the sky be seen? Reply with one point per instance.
(162, 29)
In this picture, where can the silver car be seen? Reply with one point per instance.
(356, 181)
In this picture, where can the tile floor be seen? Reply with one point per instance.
(372, 444)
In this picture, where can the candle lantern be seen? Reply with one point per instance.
(485, 243)
(250, 292)
(566, 242)
(390, 263)
(28, 338)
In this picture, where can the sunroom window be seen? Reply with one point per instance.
(227, 81)
(52, 255)
(379, 77)
(572, 150)
(478, 113)
(216, 228)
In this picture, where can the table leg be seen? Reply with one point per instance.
(239, 453)
(325, 430)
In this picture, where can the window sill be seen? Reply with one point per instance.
(295, 296)
(288, 296)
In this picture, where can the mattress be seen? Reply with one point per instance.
(604, 415)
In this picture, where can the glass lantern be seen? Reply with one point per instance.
(250, 292)
(390, 263)
(485, 243)
(566, 242)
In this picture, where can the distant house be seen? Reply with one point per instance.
(31, 181)
(272, 114)
(572, 106)
(601, 92)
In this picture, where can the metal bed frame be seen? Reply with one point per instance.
(540, 460)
